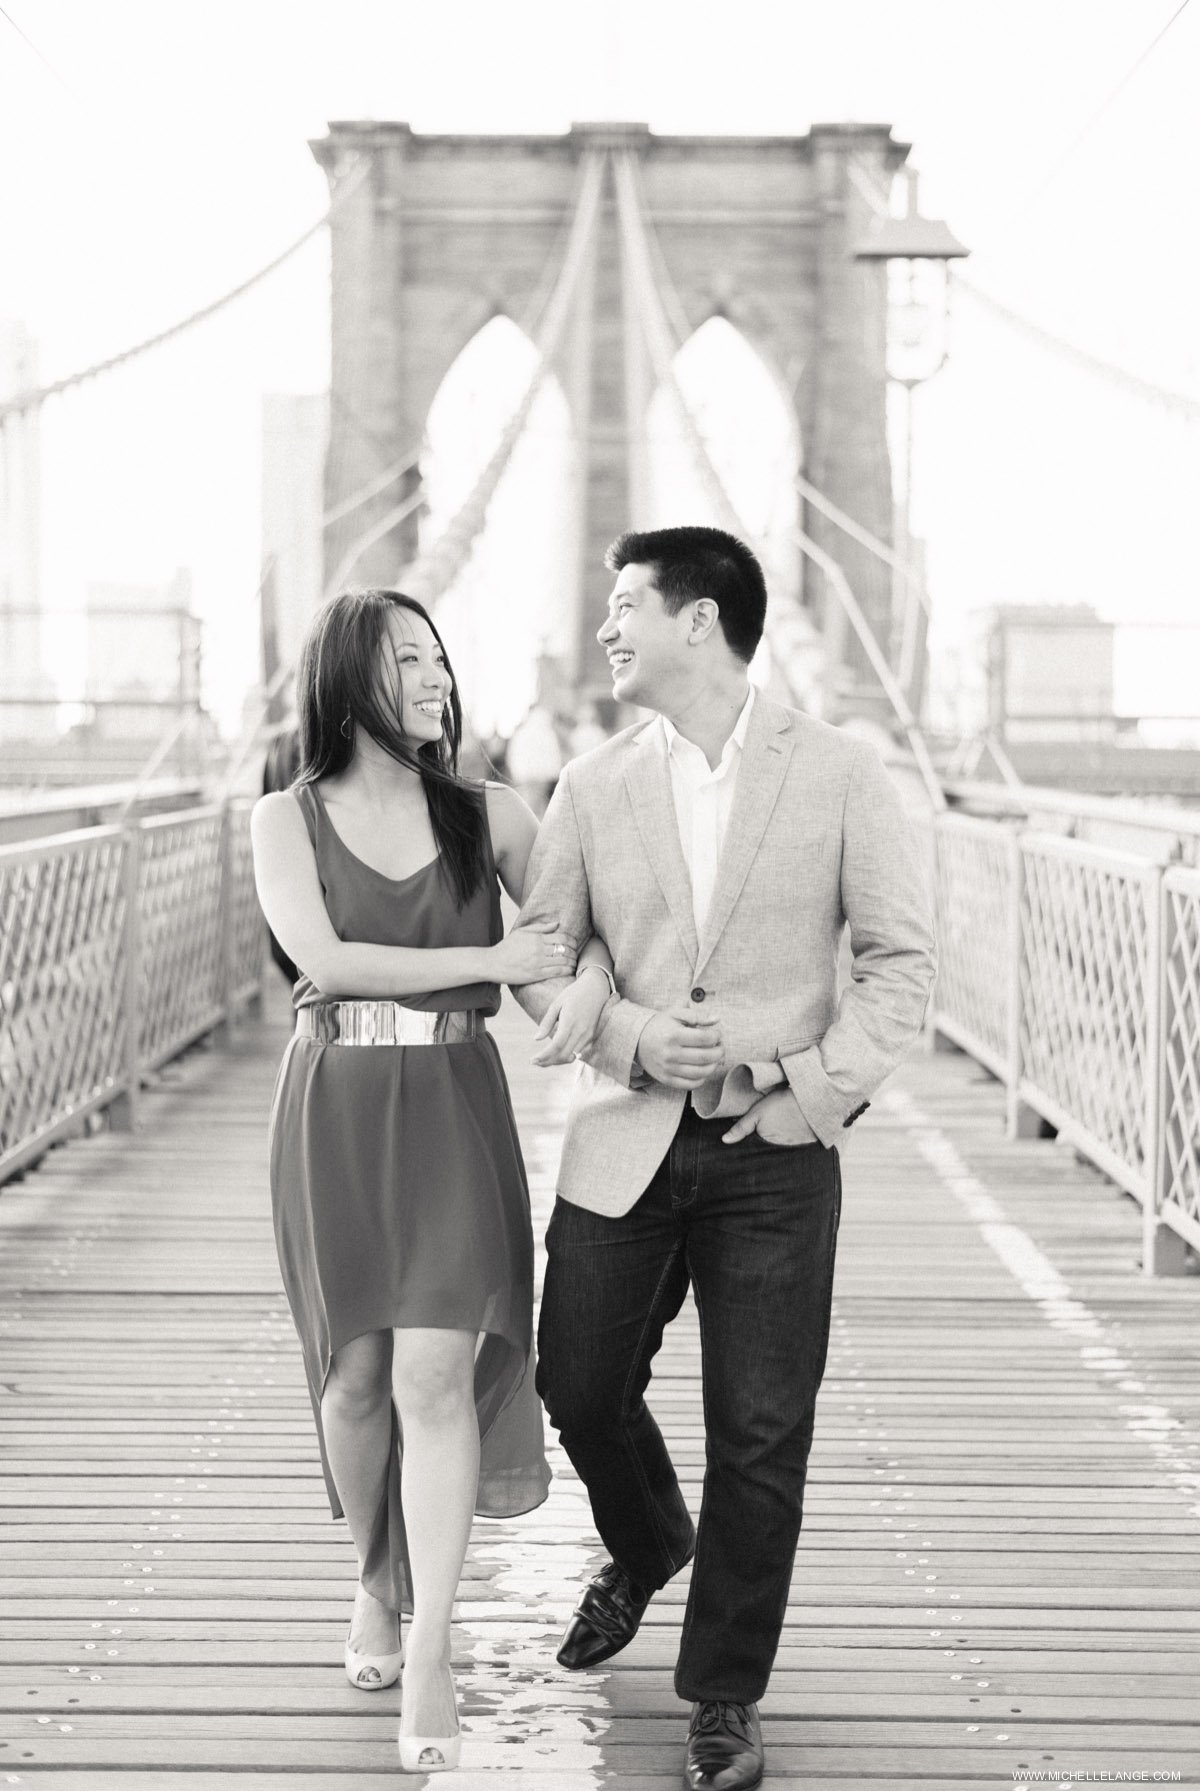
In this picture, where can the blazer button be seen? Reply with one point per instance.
(697, 994)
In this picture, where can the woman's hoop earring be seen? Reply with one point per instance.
(345, 727)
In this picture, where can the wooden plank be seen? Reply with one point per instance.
(151, 1399)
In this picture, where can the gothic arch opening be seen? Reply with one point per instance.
(753, 440)
(513, 601)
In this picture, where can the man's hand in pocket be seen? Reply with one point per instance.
(777, 1118)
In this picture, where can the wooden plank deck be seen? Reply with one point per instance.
(1000, 1568)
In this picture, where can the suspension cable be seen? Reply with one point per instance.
(1169, 398)
(33, 399)
(790, 632)
(435, 568)
(635, 237)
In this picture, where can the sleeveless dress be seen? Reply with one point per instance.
(399, 1193)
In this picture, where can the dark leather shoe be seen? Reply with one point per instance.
(724, 1748)
(605, 1620)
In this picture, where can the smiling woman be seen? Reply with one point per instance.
(398, 1192)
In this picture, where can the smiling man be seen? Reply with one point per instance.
(719, 850)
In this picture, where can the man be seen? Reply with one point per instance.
(719, 850)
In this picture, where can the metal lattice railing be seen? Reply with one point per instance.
(974, 874)
(244, 933)
(1072, 971)
(179, 945)
(62, 922)
(118, 947)
(1180, 1009)
(1088, 967)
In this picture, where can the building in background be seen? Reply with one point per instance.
(1049, 673)
(127, 682)
(1040, 681)
(142, 667)
(295, 428)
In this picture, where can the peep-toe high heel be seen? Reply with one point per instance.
(432, 1753)
(372, 1672)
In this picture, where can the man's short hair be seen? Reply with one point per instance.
(698, 562)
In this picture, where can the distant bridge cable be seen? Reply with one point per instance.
(374, 531)
(807, 490)
(434, 569)
(636, 237)
(1051, 174)
(854, 613)
(41, 56)
(663, 341)
(1169, 398)
(794, 644)
(37, 396)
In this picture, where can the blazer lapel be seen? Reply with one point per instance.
(648, 780)
(765, 758)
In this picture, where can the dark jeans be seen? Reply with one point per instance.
(753, 1227)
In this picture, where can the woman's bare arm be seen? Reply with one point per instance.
(514, 829)
(285, 873)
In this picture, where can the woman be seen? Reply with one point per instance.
(399, 1195)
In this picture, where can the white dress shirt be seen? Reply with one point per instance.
(704, 803)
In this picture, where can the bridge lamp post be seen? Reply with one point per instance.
(917, 252)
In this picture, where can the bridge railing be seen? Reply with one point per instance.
(1072, 971)
(119, 946)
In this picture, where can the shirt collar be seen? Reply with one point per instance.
(736, 740)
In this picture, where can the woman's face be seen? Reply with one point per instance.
(414, 679)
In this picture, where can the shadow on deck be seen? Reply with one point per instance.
(999, 1569)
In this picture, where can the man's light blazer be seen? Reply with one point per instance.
(818, 838)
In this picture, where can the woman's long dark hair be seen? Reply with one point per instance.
(340, 688)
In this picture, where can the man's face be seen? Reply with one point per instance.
(646, 646)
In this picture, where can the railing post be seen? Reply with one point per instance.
(225, 912)
(123, 1112)
(1164, 1252)
(1022, 1121)
(931, 1036)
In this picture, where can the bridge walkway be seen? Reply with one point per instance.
(1000, 1568)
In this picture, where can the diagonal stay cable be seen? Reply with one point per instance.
(879, 665)
(793, 639)
(659, 340)
(434, 569)
(1169, 398)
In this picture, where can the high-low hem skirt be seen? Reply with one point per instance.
(400, 1200)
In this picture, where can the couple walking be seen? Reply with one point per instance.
(682, 907)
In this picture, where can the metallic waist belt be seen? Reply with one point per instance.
(385, 1023)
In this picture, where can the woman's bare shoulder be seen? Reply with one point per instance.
(510, 817)
(277, 816)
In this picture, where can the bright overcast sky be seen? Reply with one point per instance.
(165, 157)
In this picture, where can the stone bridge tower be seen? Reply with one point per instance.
(447, 231)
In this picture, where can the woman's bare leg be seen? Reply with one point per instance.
(356, 1415)
(433, 1378)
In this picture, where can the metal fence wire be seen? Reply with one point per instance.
(1180, 1004)
(119, 946)
(1072, 971)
